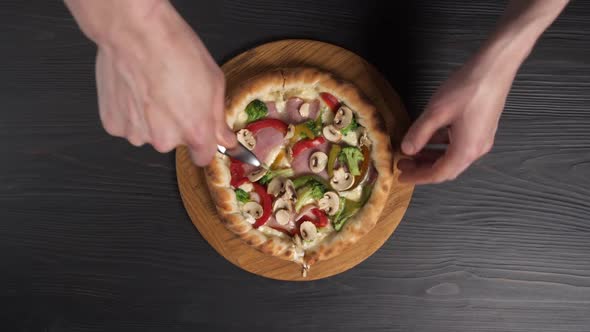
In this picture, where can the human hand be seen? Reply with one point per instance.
(156, 82)
(464, 113)
(465, 110)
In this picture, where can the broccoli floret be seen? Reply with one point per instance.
(352, 156)
(256, 110)
(340, 218)
(285, 172)
(242, 196)
(351, 127)
(312, 191)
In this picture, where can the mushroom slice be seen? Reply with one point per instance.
(304, 110)
(283, 217)
(290, 131)
(247, 139)
(342, 180)
(256, 175)
(330, 203)
(318, 161)
(290, 193)
(276, 185)
(351, 138)
(253, 209)
(246, 186)
(282, 204)
(308, 231)
(343, 117)
(332, 134)
(364, 140)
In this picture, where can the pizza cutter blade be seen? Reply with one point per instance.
(241, 153)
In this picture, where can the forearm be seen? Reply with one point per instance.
(105, 21)
(518, 30)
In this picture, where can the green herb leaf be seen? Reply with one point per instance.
(242, 196)
(256, 110)
(351, 127)
(352, 156)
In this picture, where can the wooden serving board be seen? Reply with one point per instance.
(347, 65)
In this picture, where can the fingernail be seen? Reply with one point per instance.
(408, 147)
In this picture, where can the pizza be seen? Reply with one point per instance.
(327, 165)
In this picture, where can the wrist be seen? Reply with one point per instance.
(110, 23)
(516, 34)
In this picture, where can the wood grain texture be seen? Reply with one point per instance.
(94, 236)
(346, 65)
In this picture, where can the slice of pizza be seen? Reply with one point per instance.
(327, 165)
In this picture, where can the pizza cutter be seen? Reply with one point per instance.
(242, 154)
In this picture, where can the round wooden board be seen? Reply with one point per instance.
(347, 65)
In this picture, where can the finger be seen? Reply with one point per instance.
(440, 136)
(164, 133)
(422, 130)
(110, 116)
(135, 129)
(447, 167)
(202, 154)
(225, 136)
(427, 155)
(406, 165)
(138, 132)
(202, 145)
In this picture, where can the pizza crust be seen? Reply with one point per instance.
(218, 174)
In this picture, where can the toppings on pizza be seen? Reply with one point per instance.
(330, 203)
(352, 157)
(318, 165)
(308, 231)
(256, 175)
(318, 161)
(332, 134)
(253, 209)
(283, 216)
(242, 196)
(256, 110)
(245, 137)
(330, 101)
(342, 180)
(343, 117)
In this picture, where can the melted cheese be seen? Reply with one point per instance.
(322, 233)
(271, 231)
(354, 194)
(351, 138)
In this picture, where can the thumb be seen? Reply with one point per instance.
(225, 136)
(422, 130)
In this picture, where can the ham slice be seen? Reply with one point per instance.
(292, 110)
(268, 144)
(272, 110)
(301, 163)
(292, 225)
(288, 228)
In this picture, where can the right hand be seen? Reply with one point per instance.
(157, 84)
(463, 113)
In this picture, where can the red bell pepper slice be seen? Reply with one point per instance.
(320, 220)
(331, 101)
(266, 201)
(305, 144)
(256, 126)
(237, 172)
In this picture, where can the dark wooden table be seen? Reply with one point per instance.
(94, 237)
